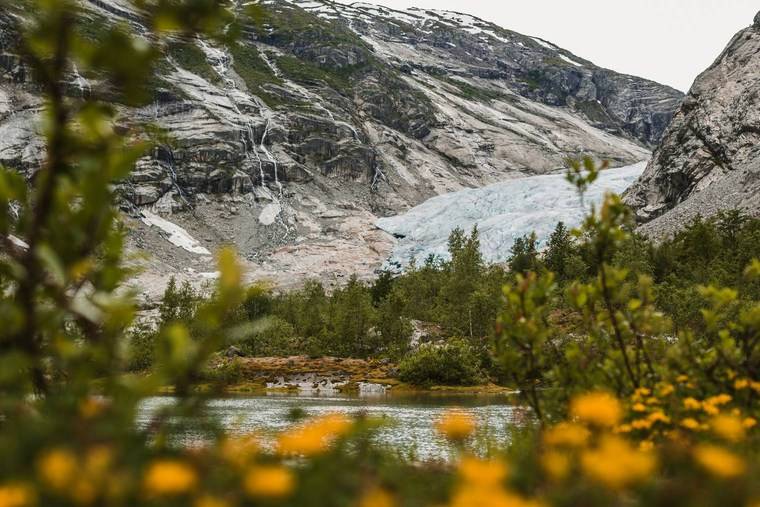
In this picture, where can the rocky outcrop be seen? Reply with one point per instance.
(293, 141)
(709, 158)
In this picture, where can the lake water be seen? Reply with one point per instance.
(410, 429)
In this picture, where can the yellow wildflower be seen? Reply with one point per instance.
(314, 437)
(210, 501)
(239, 450)
(601, 409)
(639, 407)
(646, 445)
(16, 495)
(749, 422)
(643, 391)
(616, 464)
(691, 404)
(667, 390)
(57, 468)
(641, 424)
(482, 472)
(624, 428)
(658, 416)
(91, 407)
(682, 378)
(719, 400)
(377, 497)
(168, 478)
(740, 384)
(456, 425)
(728, 427)
(556, 464)
(719, 461)
(569, 434)
(755, 386)
(690, 423)
(270, 481)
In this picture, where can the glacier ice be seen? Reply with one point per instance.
(503, 212)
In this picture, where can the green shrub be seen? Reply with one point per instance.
(273, 336)
(454, 363)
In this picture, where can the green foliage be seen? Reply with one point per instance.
(178, 304)
(524, 256)
(453, 363)
(141, 342)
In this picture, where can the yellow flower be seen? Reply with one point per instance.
(210, 501)
(376, 497)
(268, 481)
(642, 391)
(667, 389)
(91, 407)
(480, 472)
(57, 468)
(239, 450)
(641, 424)
(616, 464)
(755, 386)
(556, 464)
(740, 384)
(456, 425)
(598, 408)
(749, 422)
(691, 404)
(315, 436)
(728, 427)
(719, 462)
(16, 495)
(718, 400)
(169, 478)
(646, 445)
(690, 423)
(569, 434)
(682, 378)
(639, 407)
(658, 416)
(624, 428)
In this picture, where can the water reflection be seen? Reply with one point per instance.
(410, 430)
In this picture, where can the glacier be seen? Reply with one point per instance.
(502, 212)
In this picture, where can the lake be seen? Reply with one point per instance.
(410, 418)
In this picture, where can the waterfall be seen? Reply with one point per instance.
(80, 82)
(270, 156)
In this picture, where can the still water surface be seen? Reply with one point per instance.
(410, 429)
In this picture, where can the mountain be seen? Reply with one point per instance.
(709, 158)
(323, 117)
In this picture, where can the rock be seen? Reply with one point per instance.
(709, 158)
(757, 18)
(233, 352)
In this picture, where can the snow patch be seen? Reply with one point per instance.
(503, 212)
(175, 234)
(570, 61)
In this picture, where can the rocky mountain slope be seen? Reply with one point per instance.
(323, 117)
(709, 159)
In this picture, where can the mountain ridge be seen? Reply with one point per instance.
(292, 142)
(709, 158)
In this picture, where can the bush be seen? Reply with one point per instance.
(273, 336)
(454, 363)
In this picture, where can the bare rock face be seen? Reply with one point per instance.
(709, 159)
(293, 141)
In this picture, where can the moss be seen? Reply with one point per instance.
(593, 110)
(471, 92)
(256, 73)
(191, 58)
